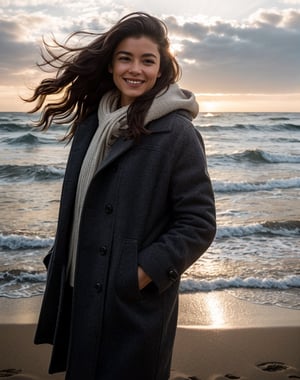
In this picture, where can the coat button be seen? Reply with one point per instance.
(98, 287)
(108, 208)
(173, 274)
(103, 250)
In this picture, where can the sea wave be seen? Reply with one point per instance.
(284, 228)
(23, 276)
(258, 156)
(290, 126)
(231, 187)
(278, 118)
(18, 242)
(193, 285)
(7, 126)
(250, 127)
(21, 284)
(27, 139)
(18, 173)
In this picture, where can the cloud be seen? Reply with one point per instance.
(16, 54)
(23, 27)
(293, 2)
(262, 54)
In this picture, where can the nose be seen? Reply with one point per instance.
(135, 68)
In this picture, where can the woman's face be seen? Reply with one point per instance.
(135, 67)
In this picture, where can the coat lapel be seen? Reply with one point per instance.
(120, 146)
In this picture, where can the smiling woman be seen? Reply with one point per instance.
(137, 206)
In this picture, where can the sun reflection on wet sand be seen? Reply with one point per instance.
(221, 310)
(215, 310)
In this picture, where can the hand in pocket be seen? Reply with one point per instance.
(143, 278)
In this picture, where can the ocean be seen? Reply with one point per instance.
(254, 163)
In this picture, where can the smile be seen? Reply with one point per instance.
(131, 81)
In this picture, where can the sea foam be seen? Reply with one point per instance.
(193, 285)
(16, 242)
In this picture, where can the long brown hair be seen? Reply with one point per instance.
(82, 75)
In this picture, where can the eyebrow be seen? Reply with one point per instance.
(143, 55)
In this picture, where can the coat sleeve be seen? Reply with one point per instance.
(193, 224)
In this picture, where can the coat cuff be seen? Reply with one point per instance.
(162, 276)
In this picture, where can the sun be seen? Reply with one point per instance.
(208, 106)
(175, 48)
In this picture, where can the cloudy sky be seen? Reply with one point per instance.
(236, 55)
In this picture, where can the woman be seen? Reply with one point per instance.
(137, 206)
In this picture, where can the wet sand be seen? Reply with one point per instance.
(219, 337)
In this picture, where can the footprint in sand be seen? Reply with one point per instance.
(9, 372)
(279, 367)
(229, 376)
(16, 374)
(181, 376)
(273, 366)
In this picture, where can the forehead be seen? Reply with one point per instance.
(138, 45)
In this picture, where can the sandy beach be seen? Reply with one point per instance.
(253, 160)
(219, 337)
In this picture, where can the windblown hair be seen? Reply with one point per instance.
(82, 75)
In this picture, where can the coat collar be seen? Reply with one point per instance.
(121, 145)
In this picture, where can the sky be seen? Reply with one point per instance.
(235, 55)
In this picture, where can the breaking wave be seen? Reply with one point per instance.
(230, 187)
(285, 228)
(258, 156)
(16, 242)
(18, 173)
(193, 285)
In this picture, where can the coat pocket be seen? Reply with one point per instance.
(127, 286)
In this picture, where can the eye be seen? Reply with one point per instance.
(149, 61)
(124, 58)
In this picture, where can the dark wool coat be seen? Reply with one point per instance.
(150, 204)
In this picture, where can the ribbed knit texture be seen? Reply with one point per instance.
(111, 120)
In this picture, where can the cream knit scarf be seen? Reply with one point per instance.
(111, 120)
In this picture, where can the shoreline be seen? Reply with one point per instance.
(218, 337)
(215, 309)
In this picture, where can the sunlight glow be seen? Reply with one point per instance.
(218, 102)
(190, 61)
(208, 106)
(175, 48)
(215, 311)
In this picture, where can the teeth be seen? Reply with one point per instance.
(133, 81)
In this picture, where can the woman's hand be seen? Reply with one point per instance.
(143, 278)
